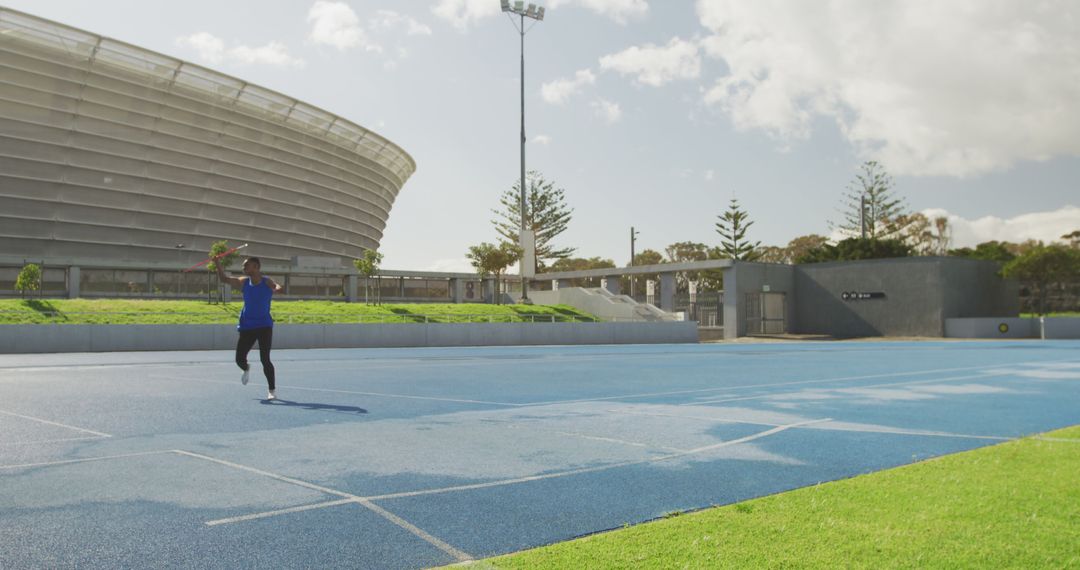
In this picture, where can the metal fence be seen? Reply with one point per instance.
(707, 307)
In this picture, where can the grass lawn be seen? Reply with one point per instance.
(138, 311)
(1013, 505)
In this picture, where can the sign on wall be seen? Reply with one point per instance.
(861, 295)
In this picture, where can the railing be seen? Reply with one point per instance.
(325, 318)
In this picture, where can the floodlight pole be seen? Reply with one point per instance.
(534, 14)
(633, 237)
(524, 254)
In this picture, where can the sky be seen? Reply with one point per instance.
(654, 115)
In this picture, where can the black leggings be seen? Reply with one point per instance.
(247, 340)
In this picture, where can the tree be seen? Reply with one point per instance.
(489, 258)
(795, 249)
(1042, 266)
(1073, 239)
(857, 248)
(875, 186)
(925, 236)
(988, 250)
(546, 214)
(685, 251)
(645, 257)
(770, 254)
(580, 264)
(368, 266)
(732, 229)
(799, 246)
(29, 279)
(217, 249)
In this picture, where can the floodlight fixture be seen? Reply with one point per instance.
(530, 12)
(519, 6)
(540, 13)
(505, 5)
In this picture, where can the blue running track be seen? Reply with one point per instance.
(410, 458)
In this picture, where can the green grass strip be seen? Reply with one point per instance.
(144, 311)
(1013, 505)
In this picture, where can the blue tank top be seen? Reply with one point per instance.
(256, 311)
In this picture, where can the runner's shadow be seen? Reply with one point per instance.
(316, 407)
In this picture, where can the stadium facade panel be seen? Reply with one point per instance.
(111, 151)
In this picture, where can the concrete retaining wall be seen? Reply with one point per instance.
(1050, 328)
(109, 338)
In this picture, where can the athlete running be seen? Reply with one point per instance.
(255, 321)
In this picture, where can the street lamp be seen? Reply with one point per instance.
(179, 273)
(528, 240)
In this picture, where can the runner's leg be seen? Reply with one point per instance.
(266, 338)
(243, 346)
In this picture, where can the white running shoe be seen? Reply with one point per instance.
(271, 395)
(244, 378)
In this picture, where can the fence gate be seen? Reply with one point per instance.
(707, 307)
(765, 313)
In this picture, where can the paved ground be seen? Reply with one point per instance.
(407, 458)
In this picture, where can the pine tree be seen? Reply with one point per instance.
(732, 229)
(546, 214)
(884, 213)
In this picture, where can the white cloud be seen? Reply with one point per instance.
(656, 65)
(607, 110)
(558, 91)
(335, 24)
(1043, 226)
(212, 50)
(710, 174)
(462, 13)
(273, 53)
(618, 10)
(955, 88)
(542, 139)
(392, 21)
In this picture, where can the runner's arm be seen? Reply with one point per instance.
(234, 281)
(274, 285)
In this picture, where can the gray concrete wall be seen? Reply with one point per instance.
(1013, 327)
(920, 294)
(109, 338)
(1061, 327)
(1032, 327)
(746, 277)
(974, 289)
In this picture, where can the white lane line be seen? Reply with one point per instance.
(618, 441)
(266, 514)
(668, 457)
(883, 385)
(457, 554)
(47, 441)
(795, 383)
(97, 433)
(824, 426)
(366, 501)
(1057, 439)
(85, 460)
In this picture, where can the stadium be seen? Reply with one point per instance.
(114, 155)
